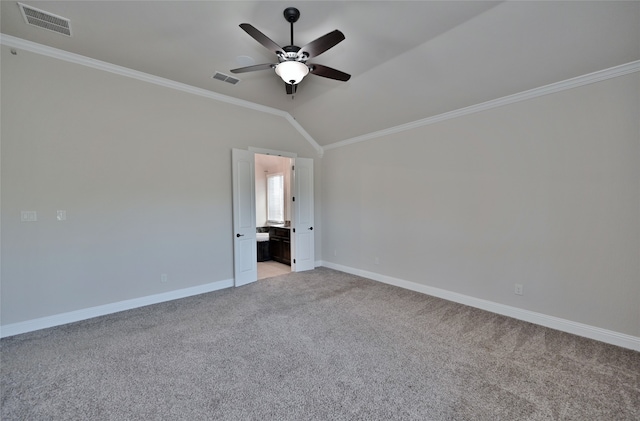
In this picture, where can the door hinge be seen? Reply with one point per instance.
(293, 168)
(294, 260)
(293, 199)
(294, 230)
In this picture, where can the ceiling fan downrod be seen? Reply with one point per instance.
(291, 14)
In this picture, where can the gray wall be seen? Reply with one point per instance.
(143, 171)
(545, 193)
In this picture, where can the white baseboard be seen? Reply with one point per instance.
(88, 313)
(580, 329)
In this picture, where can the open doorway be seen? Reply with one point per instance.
(298, 209)
(273, 185)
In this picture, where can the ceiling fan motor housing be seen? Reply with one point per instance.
(291, 53)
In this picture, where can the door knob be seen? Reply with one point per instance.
(239, 235)
(311, 228)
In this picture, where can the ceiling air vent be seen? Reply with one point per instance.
(225, 78)
(46, 20)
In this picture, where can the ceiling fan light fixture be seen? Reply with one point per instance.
(292, 72)
(291, 66)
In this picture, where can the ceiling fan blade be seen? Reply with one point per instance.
(253, 68)
(324, 71)
(291, 89)
(261, 38)
(320, 45)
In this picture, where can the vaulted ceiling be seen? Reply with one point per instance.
(408, 60)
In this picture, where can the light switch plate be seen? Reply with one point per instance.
(62, 215)
(28, 216)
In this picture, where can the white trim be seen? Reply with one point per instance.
(88, 313)
(134, 74)
(319, 149)
(272, 152)
(44, 50)
(575, 82)
(580, 329)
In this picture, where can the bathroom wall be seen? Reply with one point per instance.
(268, 164)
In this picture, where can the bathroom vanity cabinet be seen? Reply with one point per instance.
(280, 244)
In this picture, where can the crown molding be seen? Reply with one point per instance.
(44, 50)
(575, 82)
(304, 133)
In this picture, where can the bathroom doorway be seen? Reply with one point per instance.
(273, 184)
(297, 214)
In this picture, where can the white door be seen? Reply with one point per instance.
(302, 236)
(244, 217)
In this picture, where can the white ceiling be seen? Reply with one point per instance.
(408, 60)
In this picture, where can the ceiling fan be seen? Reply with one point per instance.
(292, 64)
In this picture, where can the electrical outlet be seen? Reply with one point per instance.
(163, 277)
(61, 215)
(518, 289)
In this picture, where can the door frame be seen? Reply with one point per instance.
(283, 154)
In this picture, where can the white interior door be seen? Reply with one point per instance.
(244, 217)
(303, 239)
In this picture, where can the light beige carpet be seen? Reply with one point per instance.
(318, 345)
